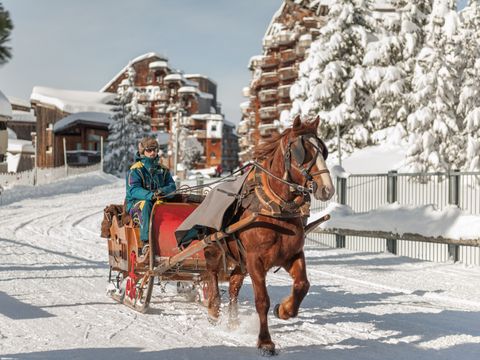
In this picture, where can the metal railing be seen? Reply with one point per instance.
(365, 192)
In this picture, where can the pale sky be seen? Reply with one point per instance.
(83, 44)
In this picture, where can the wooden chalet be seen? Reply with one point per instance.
(170, 96)
(52, 109)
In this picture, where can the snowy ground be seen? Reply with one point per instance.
(53, 270)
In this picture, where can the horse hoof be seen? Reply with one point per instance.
(276, 311)
(268, 350)
(212, 320)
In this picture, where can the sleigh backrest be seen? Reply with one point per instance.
(165, 220)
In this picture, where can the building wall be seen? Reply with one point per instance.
(23, 129)
(275, 71)
(47, 116)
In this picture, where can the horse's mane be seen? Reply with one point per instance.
(267, 148)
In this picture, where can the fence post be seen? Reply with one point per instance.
(199, 183)
(65, 155)
(453, 199)
(101, 153)
(342, 199)
(391, 198)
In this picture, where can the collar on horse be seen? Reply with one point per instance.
(273, 204)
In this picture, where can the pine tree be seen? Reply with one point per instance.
(331, 80)
(434, 141)
(469, 104)
(6, 26)
(130, 124)
(192, 151)
(389, 62)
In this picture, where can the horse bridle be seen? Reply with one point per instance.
(296, 150)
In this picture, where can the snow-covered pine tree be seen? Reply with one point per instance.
(6, 27)
(130, 124)
(331, 79)
(435, 140)
(192, 151)
(469, 104)
(389, 62)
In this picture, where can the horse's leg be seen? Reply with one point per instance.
(290, 305)
(235, 284)
(262, 304)
(213, 257)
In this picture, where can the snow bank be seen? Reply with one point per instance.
(425, 220)
(71, 185)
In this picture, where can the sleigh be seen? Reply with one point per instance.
(136, 273)
(164, 260)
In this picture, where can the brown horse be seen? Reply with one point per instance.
(291, 163)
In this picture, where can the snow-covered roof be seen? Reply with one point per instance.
(5, 107)
(206, 95)
(20, 102)
(158, 64)
(189, 76)
(130, 63)
(23, 116)
(72, 101)
(188, 89)
(174, 77)
(84, 118)
(217, 117)
(16, 146)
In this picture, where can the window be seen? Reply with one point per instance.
(3, 125)
(212, 155)
(214, 127)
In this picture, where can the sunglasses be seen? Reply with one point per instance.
(151, 149)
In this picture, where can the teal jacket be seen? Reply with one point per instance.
(145, 177)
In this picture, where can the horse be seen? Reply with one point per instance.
(290, 166)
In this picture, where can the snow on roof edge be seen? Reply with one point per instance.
(137, 59)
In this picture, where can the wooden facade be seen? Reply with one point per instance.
(276, 70)
(49, 154)
(165, 94)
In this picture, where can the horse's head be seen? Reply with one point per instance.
(305, 156)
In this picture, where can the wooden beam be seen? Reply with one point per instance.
(404, 236)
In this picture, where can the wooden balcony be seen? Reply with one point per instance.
(288, 73)
(310, 22)
(266, 96)
(286, 37)
(287, 56)
(160, 96)
(269, 79)
(242, 127)
(305, 40)
(269, 61)
(269, 42)
(269, 128)
(200, 134)
(268, 113)
(283, 106)
(284, 91)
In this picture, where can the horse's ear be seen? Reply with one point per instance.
(297, 122)
(316, 122)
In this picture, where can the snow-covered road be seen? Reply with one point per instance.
(53, 304)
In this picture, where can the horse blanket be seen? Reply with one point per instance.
(213, 212)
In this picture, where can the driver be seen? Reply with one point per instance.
(147, 181)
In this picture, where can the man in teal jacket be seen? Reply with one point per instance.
(147, 180)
